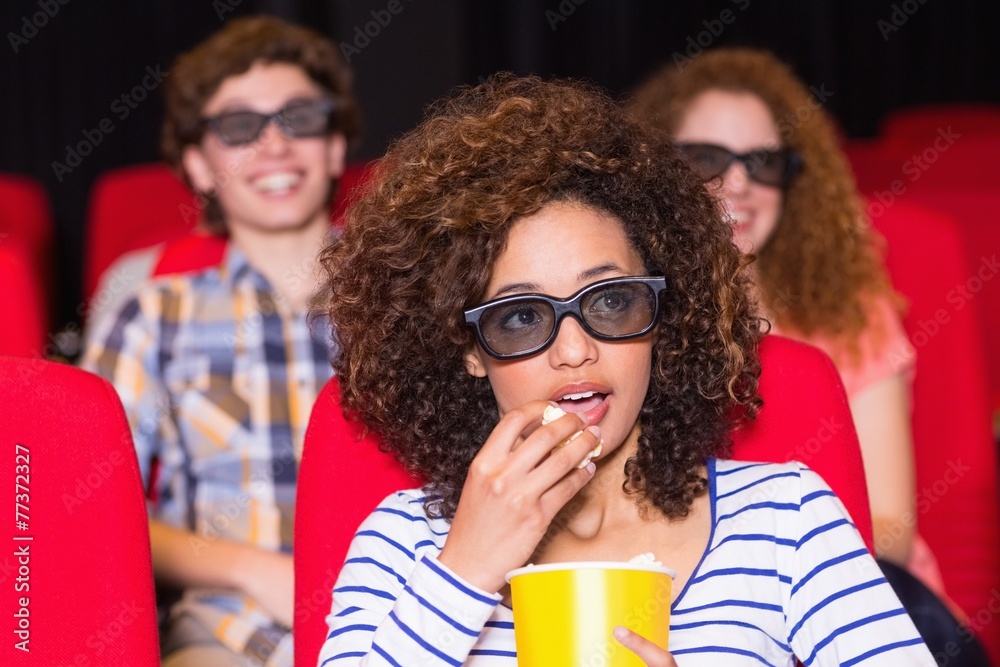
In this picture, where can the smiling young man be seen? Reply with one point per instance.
(218, 368)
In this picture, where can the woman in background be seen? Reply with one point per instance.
(769, 153)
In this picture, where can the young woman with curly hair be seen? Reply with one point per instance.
(768, 150)
(529, 246)
(769, 153)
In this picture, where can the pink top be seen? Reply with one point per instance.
(885, 350)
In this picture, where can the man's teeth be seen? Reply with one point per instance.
(578, 397)
(278, 182)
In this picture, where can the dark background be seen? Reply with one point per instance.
(60, 80)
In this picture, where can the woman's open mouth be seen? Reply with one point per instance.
(591, 403)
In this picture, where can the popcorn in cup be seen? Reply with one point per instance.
(564, 613)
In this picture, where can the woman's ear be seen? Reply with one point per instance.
(197, 169)
(474, 365)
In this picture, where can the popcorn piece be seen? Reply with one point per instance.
(553, 413)
(592, 454)
(647, 558)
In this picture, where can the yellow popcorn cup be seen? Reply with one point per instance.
(564, 613)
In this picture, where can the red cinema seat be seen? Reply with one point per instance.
(132, 208)
(806, 417)
(919, 125)
(890, 168)
(967, 162)
(978, 215)
(343, 475)
(141, 206)
(958, 512)
(21, 303)
(26, 218)
(78, 578)
(875, 164)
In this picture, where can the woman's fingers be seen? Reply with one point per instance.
(512, 428)
(519, 442)
(648, 652)
(564, 459)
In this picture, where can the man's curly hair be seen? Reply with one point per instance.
(822, 270)
(420, 244)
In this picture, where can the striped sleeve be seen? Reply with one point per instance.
(393, 605)
(840, 609)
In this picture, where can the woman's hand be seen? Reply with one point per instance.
(515, 486)
(650, 653)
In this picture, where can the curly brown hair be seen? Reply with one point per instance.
(822, 269)
(197, 75)
(419, 247)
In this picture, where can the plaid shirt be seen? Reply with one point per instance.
(218, 377)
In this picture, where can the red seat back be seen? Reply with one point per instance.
(131, 208)
(344, 475)
(77, 574)
(958, 512)
(22, 304)
(977, 213)
(806, 417)
(190, 253)
(918, 126)
(875, 164)
(26, 218)
(137, 207)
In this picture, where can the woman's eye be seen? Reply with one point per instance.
(708, 159)
(611, 302)
(520, 317)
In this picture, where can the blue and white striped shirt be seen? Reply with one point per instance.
(785, 576)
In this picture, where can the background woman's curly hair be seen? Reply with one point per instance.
(420, 244)
(823, 252)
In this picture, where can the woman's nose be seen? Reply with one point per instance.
(573, 346)
(736, 179)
